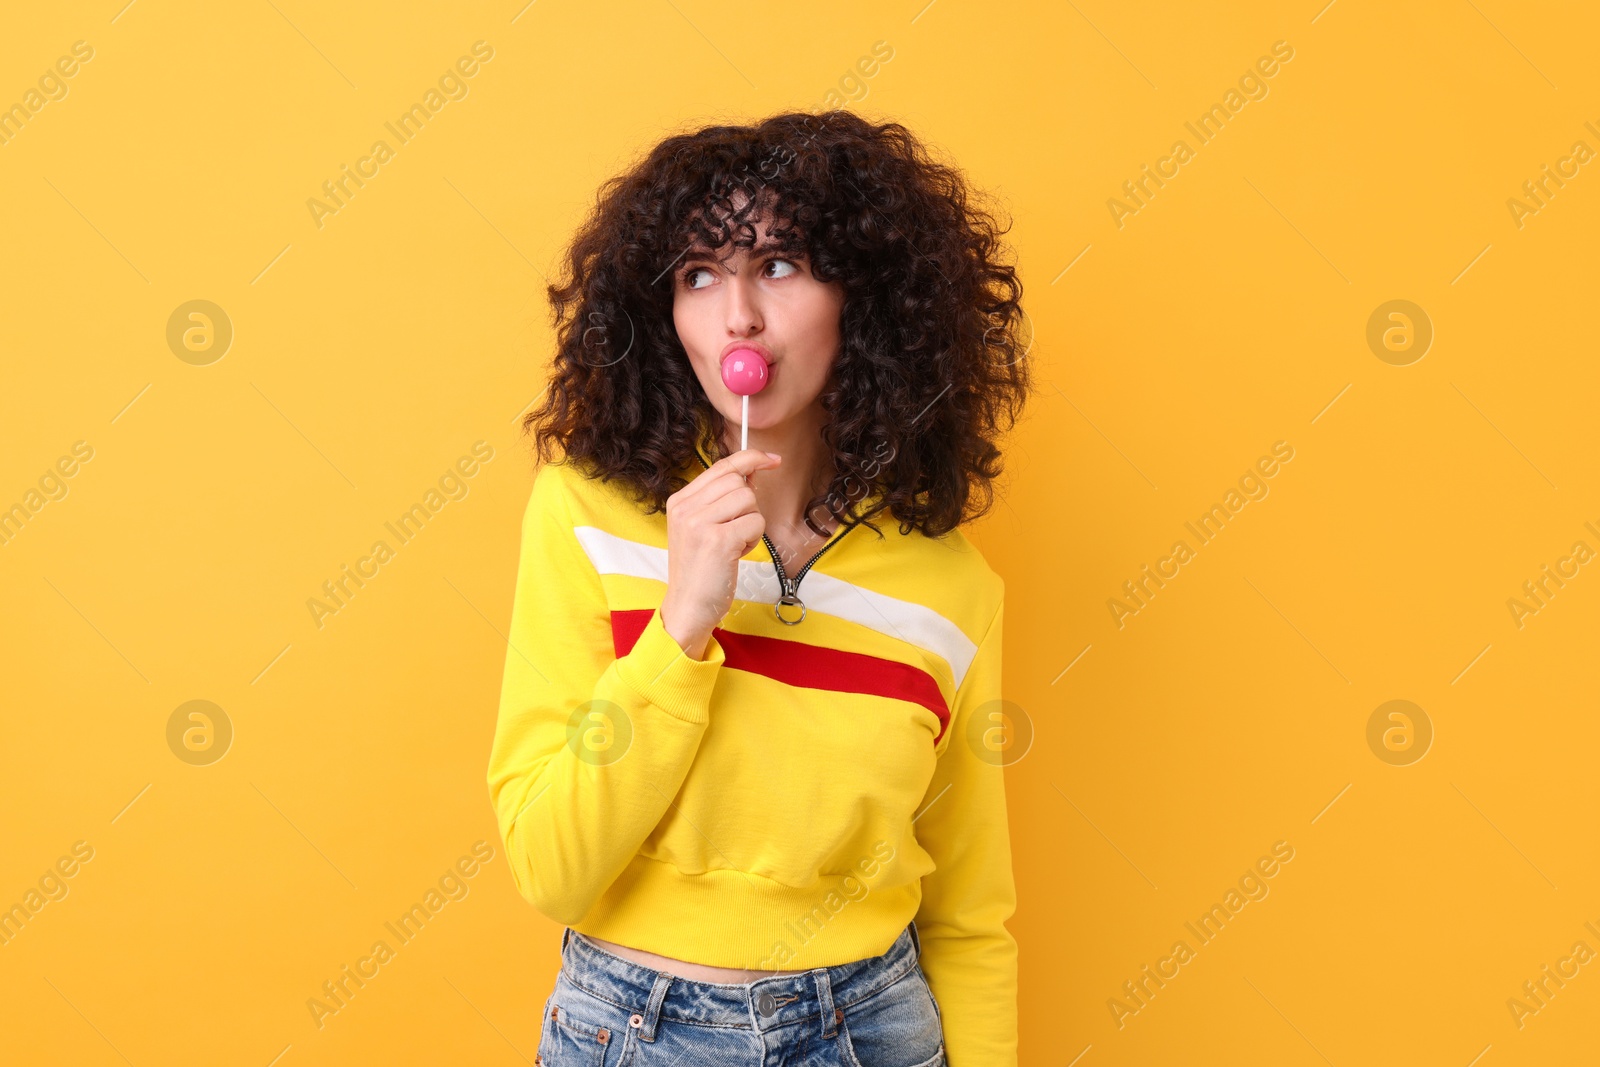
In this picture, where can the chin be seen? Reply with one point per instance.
(770, 422)
(764, 417)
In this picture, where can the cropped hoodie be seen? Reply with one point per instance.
(792, 799)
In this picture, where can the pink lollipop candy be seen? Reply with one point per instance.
(744, 371)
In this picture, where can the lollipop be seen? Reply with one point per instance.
(744, 371)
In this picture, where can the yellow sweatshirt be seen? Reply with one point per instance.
(793, 799)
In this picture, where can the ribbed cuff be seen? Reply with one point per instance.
(658, 669)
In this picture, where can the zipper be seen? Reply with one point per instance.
(791, 587)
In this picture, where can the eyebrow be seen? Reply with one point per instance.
(768, 246)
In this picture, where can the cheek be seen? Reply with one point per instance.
(688, 330)
(820, 315)
(684, 325)
(808, 373)
(829, 327)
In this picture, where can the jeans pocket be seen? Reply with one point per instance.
(578, 1030)
(898, 1026)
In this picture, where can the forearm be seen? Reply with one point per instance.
(974, 979)
(579, 790)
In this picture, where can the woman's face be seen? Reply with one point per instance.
(764, 300)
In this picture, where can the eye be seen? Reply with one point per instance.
(688, 276)
(793, 267)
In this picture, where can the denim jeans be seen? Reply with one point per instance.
(606, 1011)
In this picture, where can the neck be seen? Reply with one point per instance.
(782, 492)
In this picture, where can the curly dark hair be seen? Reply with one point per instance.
(930, 370)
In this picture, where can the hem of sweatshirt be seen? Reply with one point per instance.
(731, 918)
(661, 672)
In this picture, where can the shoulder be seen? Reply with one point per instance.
(568, 492)
(552, 492)
(985, 585)
(966, 555)
(948, 574)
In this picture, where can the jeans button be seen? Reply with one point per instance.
(765, 1004)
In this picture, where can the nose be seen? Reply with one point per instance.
(742, 308)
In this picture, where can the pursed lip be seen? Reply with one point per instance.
(757, 346)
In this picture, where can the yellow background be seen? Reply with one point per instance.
(1229, 313)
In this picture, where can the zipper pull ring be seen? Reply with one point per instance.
(789, 598)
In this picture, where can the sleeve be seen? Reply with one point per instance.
(589, 748)
(968, 955)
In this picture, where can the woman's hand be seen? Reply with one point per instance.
(711, 523)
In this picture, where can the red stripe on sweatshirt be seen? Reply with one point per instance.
(810, 666)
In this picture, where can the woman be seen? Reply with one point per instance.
(744, 749)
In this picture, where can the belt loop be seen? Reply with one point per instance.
(830, 1015)
(652, 1011)
(916, 939)
(566, 935)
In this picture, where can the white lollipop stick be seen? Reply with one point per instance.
(744, 371)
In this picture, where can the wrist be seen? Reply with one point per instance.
(691, 638)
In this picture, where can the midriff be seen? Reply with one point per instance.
(695, 972)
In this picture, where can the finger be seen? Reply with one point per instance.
(750, 528)
(740, 500)
(709, 486)
(746, 462)
(725, 474)
(722, 476)
(729, 482)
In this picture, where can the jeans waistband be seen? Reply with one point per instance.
(764, 1004)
